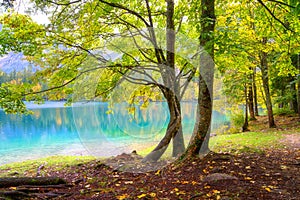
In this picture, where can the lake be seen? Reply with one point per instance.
(87, 129)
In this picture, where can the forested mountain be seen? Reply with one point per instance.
(15, 62)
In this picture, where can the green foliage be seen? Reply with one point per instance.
(20, 34)
(237, 119)
(283, 111)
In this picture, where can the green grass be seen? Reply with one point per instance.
(234, 143)
(246, 142)
(31, 166)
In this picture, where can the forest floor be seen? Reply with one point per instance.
(270, 173)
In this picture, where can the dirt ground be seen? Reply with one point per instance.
(273, 174)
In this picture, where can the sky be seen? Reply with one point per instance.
(22, 5)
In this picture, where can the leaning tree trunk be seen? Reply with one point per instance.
(200, 139)
(173, 127)
(265, 80)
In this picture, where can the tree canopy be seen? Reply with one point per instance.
(95, 50)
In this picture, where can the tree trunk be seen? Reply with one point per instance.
(250, 99)
(173, 127)
(298, 94)
(296, 62)
(255, 93)
(246, 124)
(178, 141)
(294, 103)
(265, 80)
(200, 139)
(171, 91)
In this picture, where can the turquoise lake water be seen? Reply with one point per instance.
(87, 129)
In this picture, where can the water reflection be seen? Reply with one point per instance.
(55, 129)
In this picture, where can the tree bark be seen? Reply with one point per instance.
(171, 92)
(200, 139)
(255, 93)
(294, 103)
(246, 124)
(296, 62)
(265, 80)
(178, 141)
(250, 98)
(173, 127)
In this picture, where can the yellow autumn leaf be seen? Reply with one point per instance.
(152, 194)
(123, 196)
(180, 193)
(216, 191)
(184, 182)
(248, 178)
(158, 172)
(141, 196)
(268, 189)
(13, 188)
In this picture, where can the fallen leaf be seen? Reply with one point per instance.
(268, 189)
(141, 196)
(123, 196)
(128, 182)
(152, 194)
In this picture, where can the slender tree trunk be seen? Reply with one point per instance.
(296, 62)
(294, 103)
(281, 103)
(178, 141)
(200, 139)
(255, 93)
(171, 91)
(246, 124)
(250, 99)
(298, 94)
(265, 80)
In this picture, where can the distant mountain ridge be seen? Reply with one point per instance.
(15, 62)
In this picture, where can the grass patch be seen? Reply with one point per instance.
(246, 142)
(234, 143)
(30, 167)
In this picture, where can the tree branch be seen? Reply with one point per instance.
(119, 6)
(282, 3)
(272, 14)
(63, 4)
